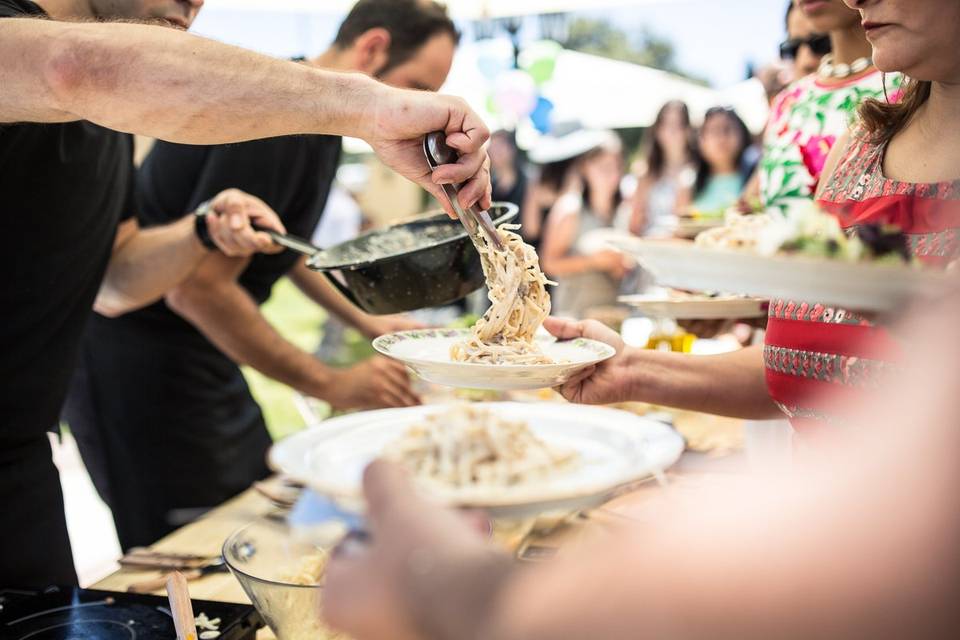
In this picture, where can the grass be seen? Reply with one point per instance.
(300, 321)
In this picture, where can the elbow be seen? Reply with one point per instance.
(112, 305)
(193, 299)
(76, 63)
(181, 299)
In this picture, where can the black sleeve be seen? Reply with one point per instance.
(175, 179)
(15, 8)
(166, 181)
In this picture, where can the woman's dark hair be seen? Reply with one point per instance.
(554, 174)
(585, 194)
(703, 167)
(883, 120)
(411, 24)
(786, 19)
(656, 158)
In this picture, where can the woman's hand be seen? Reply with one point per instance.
(611, 262)
(611, 380)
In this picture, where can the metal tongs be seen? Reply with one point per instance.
(476, 221)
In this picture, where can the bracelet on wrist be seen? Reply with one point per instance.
(200, 227)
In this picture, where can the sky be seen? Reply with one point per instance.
(715, 39)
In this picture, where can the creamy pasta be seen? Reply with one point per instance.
(472, 447)
(519, 303)
(309, 571)
(740, 232)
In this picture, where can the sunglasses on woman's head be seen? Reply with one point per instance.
(819, 44)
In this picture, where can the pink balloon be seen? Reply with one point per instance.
(515, 94)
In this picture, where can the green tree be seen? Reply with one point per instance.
(599, 37)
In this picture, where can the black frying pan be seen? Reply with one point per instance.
(427, 262)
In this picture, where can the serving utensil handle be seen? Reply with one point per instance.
(181, 607)
(290, 241)
(475, 220)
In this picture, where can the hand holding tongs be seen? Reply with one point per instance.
(475, 220)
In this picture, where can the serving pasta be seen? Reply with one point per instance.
(519, 303)
(309, 571)
(472, 447)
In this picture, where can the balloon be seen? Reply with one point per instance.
(494, 57)
(515, 95)
(491, 104)
(541, 115)
(539, 59)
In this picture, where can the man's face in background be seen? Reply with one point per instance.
(174, 13)
(427, 69)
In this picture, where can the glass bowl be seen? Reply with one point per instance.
(282, 575)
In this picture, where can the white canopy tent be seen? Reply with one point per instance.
(460, 9)
(610, 94)
(602, 93)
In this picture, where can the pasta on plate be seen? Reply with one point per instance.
(519, 305)
(471, 447)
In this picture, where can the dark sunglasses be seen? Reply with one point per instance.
(819, 44)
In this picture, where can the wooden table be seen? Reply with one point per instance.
(206, 535)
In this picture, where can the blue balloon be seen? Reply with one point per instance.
(541, 116)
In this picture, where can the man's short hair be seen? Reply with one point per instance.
(411, 23)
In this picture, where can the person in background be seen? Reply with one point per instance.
(721, 169)
(161, 410)
(549, 182)
(808, 117)
(586, 278)
(812, 349)
(667, 168)
(506, 169)
(804, 47)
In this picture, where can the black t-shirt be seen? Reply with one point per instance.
(63, 190)
(292, 174)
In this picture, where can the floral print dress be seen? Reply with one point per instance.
(805, 121)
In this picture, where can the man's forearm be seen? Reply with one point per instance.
(232, 321)
(147, 265)
(731, 384)
(111, 74)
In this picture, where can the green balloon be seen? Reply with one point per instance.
(542, 70)
(492, 105)
(539, 59)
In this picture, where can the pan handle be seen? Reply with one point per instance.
(290, 241)
(342, 289)
(298, 244)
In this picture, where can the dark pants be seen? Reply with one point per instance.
(34, 546)
(166, 426)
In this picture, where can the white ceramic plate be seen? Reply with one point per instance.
(860, 286)
(426, 352)
(615, 449)
(663, 304)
